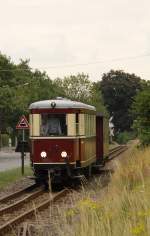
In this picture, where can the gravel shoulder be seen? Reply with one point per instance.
(16, 186)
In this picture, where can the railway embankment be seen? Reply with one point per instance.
(115, 202)
(121, 207)
(11, 178)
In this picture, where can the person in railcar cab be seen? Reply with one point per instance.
(50, 125)
(54, 127)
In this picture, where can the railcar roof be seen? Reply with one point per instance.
(60, 103)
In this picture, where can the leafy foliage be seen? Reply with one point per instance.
(20, 86)
(141, 110)
(124, 137)
(80, 88)
(97, 100)
(118, 90)
(76, 87)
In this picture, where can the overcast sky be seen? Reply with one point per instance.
(65, 37)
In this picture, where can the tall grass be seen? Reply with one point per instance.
(120, 209)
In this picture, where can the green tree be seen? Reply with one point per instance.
(6, 71)
(20, 86)
(75, 87)
(6, 94)
(80, 88)
(141, 111)
(97, 100)
(118, 90)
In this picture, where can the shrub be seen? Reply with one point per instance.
(141, 111)
(124, 137)
(4, 140)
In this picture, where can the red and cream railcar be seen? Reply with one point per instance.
(66, 136)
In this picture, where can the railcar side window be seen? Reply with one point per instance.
(77, 124)
(53, 125)
(90, 127)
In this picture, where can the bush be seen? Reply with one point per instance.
(144, 136)
(124, 137)
(4, 140)
(141, 111)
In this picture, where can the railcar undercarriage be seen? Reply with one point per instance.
(59, 174)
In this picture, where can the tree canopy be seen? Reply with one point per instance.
(118, 90)
(141, 111)
(20, 86)
(80, 88)
(76, 87)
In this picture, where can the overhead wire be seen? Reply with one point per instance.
(82, 64)
(99, 62)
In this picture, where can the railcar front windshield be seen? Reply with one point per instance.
(53, 125)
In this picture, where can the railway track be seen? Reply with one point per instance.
(16, 212)
(17, 194)
(23, 204)
(114, 152)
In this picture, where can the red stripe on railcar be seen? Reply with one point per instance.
(61, 111)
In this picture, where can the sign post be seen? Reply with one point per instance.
(22, 124)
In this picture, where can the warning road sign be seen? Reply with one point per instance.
(23, 123)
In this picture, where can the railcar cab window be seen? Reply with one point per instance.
(53, 125)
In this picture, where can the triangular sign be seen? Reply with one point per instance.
(23, 123)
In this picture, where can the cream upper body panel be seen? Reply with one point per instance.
(82, 124)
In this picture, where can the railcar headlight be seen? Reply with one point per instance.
(64, 154)
(43, 154)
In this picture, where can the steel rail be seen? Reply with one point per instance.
(19, 203)
(17, 193)
(116, 152)
(9, 225)
(112, 150)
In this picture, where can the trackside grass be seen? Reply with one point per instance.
(120, 209)
(10, 176)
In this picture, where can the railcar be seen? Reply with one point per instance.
(67, 138)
